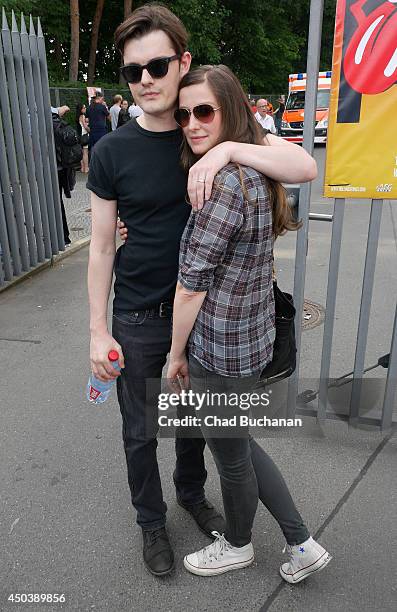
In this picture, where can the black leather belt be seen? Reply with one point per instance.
(163, 310)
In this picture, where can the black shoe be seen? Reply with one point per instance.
(206, 517)
(157, 552)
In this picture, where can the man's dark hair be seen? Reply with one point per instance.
(149, 18)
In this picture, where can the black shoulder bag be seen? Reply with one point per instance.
(283, 363)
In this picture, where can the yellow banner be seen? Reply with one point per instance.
(361, 157)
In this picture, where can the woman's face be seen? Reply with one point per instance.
(124, 104)
(83, 108)
(201, 136)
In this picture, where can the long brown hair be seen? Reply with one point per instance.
(238, 125)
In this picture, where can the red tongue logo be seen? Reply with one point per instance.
(370, 62)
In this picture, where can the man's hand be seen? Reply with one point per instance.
(62, 110)
(101, 344)
(178, 374)
(202, 174)
(123, 231)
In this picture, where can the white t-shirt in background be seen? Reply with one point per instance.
(114, 115)
(266, 122)
(135, 111)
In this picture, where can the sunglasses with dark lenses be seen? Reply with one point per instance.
(204, 113)
(157, 68)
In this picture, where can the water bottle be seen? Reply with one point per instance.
(97, 390)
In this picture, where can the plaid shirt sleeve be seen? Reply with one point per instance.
(220, 218)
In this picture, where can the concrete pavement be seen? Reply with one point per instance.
(66, 521)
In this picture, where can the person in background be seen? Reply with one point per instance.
(115, 110)
(269, 108)
(134, 110)
(265, 120)
(83, 129)
(97, 114)
(253, 105)
(124, 115)
(278, 113)
(60, 110)
(66, 176)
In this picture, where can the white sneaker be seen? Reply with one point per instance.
(304, 559)
(219, 557)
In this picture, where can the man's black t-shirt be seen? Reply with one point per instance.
(97, 114)
(142, 171)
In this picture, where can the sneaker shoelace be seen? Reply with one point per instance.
(215, 550)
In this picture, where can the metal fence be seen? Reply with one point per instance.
(387, 404)
(30, 211)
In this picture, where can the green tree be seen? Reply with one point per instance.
(261, 42)
(204, 20)
(55, 22)
(74, 40)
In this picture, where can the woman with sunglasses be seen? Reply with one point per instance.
(224, 311)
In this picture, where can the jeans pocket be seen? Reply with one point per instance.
(133, 318)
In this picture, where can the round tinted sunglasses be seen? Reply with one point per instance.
(157, 68)
(204, 113)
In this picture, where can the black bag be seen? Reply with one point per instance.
(84, 140)
(283, 363)
(67, 144)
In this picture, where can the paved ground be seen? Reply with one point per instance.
(65, 517)
(78, 210)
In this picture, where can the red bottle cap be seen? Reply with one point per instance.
(113, 355)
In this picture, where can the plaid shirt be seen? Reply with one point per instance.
(227, 250)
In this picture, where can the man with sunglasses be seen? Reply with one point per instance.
(135, 172)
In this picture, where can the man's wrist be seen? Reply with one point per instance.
(231, 148)
(98, 329)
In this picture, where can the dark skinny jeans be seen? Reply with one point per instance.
(246, 471)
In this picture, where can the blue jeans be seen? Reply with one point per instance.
(246, 471)
(146, 341)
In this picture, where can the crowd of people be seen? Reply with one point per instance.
(92, 122)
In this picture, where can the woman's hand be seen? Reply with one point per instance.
(203, 172)
(123, 231)
(178, 374)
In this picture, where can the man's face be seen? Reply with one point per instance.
(155, 96)
(261, 106)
